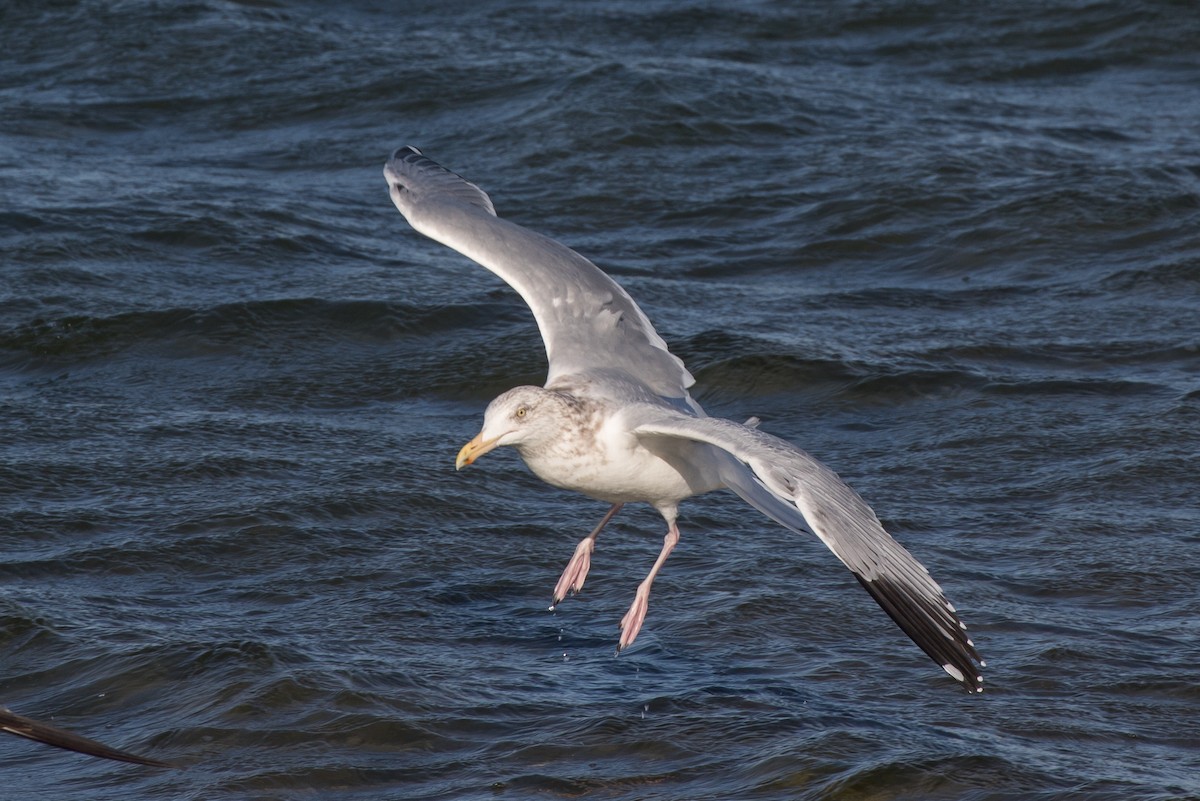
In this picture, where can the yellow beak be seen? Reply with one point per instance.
(473, 450)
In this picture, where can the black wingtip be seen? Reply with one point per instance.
(44, 733)
(939, 633)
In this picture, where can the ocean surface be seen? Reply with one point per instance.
(952, 250)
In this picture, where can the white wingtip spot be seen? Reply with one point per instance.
(950, 606)
(982, 663)
(954, 672)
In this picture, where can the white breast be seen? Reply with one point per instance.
(604, 461)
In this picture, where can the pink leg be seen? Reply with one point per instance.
(631, 624)
(577, 569)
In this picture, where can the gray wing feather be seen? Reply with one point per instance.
(587, 320)
(798, 492)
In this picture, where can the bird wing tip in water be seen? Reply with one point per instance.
(917, 618)
(46, 734)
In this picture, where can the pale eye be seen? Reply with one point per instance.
(521, 412)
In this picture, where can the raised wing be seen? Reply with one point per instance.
(587, 320)
(797, 491)
(31, 729)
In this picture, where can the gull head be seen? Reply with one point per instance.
(524, 417)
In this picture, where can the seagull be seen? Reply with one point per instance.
(39, 732)
(615, 421)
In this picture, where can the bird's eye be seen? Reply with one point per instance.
(521, 411)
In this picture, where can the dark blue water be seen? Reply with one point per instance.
(952, 250)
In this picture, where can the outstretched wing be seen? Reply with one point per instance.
(587, 320)
(21, 726)
(797, 491)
